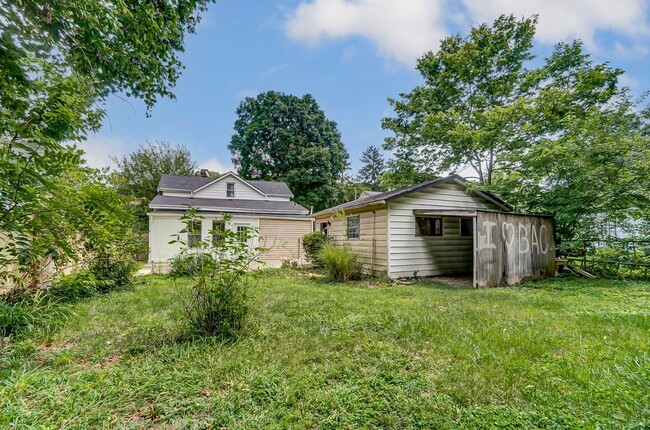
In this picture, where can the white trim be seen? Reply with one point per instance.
(226, 209)
(223, 177)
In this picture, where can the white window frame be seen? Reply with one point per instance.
(355, 230)
(228, 190)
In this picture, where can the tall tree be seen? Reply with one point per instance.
(59, 62)
(373, 167)
(562, 138)
(470, 107)
(138, 173)
(283, 137)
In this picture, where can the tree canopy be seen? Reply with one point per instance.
(288, 138)
(562, 137)
(59, 62)
(373, 167)
(138, 173)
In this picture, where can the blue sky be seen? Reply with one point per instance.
(350, 55)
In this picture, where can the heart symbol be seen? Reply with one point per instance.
(504, 228)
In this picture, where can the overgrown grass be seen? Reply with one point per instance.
(555, 354)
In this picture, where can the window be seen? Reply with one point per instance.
(466, 227)
(242, 233)
(354, 227)
(194, 233)
(218, 227)
(230, 190)
(428, 226)
(325, 227)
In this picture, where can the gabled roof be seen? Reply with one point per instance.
(380, 198)
(229, 205)
(193, 183)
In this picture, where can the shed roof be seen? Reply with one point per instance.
(400, 192)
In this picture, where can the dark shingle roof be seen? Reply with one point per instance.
(229, 205)
(185, 183)
(394, 194)
(191, 183)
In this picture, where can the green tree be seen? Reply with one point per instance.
(283, 137)
(59, 62)
(373, 167)
(562, 138)
(138, 174)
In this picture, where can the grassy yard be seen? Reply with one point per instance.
(555, 354)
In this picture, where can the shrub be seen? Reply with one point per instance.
(341, 262)
(114, 271)
(217, 304)
(27, 313)
(77, 285)
(312, 244)
(188, 264)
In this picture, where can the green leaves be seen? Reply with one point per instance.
(284, 137)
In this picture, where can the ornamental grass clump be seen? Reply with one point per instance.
(341, 262)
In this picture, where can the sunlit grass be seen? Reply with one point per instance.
(556, 354)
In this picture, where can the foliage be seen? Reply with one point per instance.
(77, 285)
(373, 168)
(562, 138)
(76, 217)
(138, 174)
(287, 138)
(312, 243)
(217, 304)
(379, 355)
(59, 63)
(27, 313)
(113, 270)
(341, 262)
(188, 264)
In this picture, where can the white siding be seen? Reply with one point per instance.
(165, 227)
(218, 190)
(431, 256)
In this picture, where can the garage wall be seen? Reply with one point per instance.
(283, 238)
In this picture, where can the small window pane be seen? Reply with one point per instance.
(194, 233)
(428, 226)
(230, 189)
(466, 227)
(354, 227)
(242, 233)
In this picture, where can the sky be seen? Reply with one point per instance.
(351, 55)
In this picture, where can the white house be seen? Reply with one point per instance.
(264, 205)
(443, 227)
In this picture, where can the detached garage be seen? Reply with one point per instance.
(442, 228)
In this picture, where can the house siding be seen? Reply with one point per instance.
(410, 255)
(283, 238)
(372, 245)
(218, 190)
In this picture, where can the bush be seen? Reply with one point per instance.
(113, 271)
(75, 286)
(341, 262)
(27, 313)
(217, 304)
(187, 264)
(312, 244)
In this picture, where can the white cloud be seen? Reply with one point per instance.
(404, 30)
(99, 149)
(401, 30)
(568, 19)
(213, 164)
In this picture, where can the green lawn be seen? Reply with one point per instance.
(554, 354)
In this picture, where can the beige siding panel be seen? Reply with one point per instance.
(431, 256)
(283, 237)
(372, 243)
